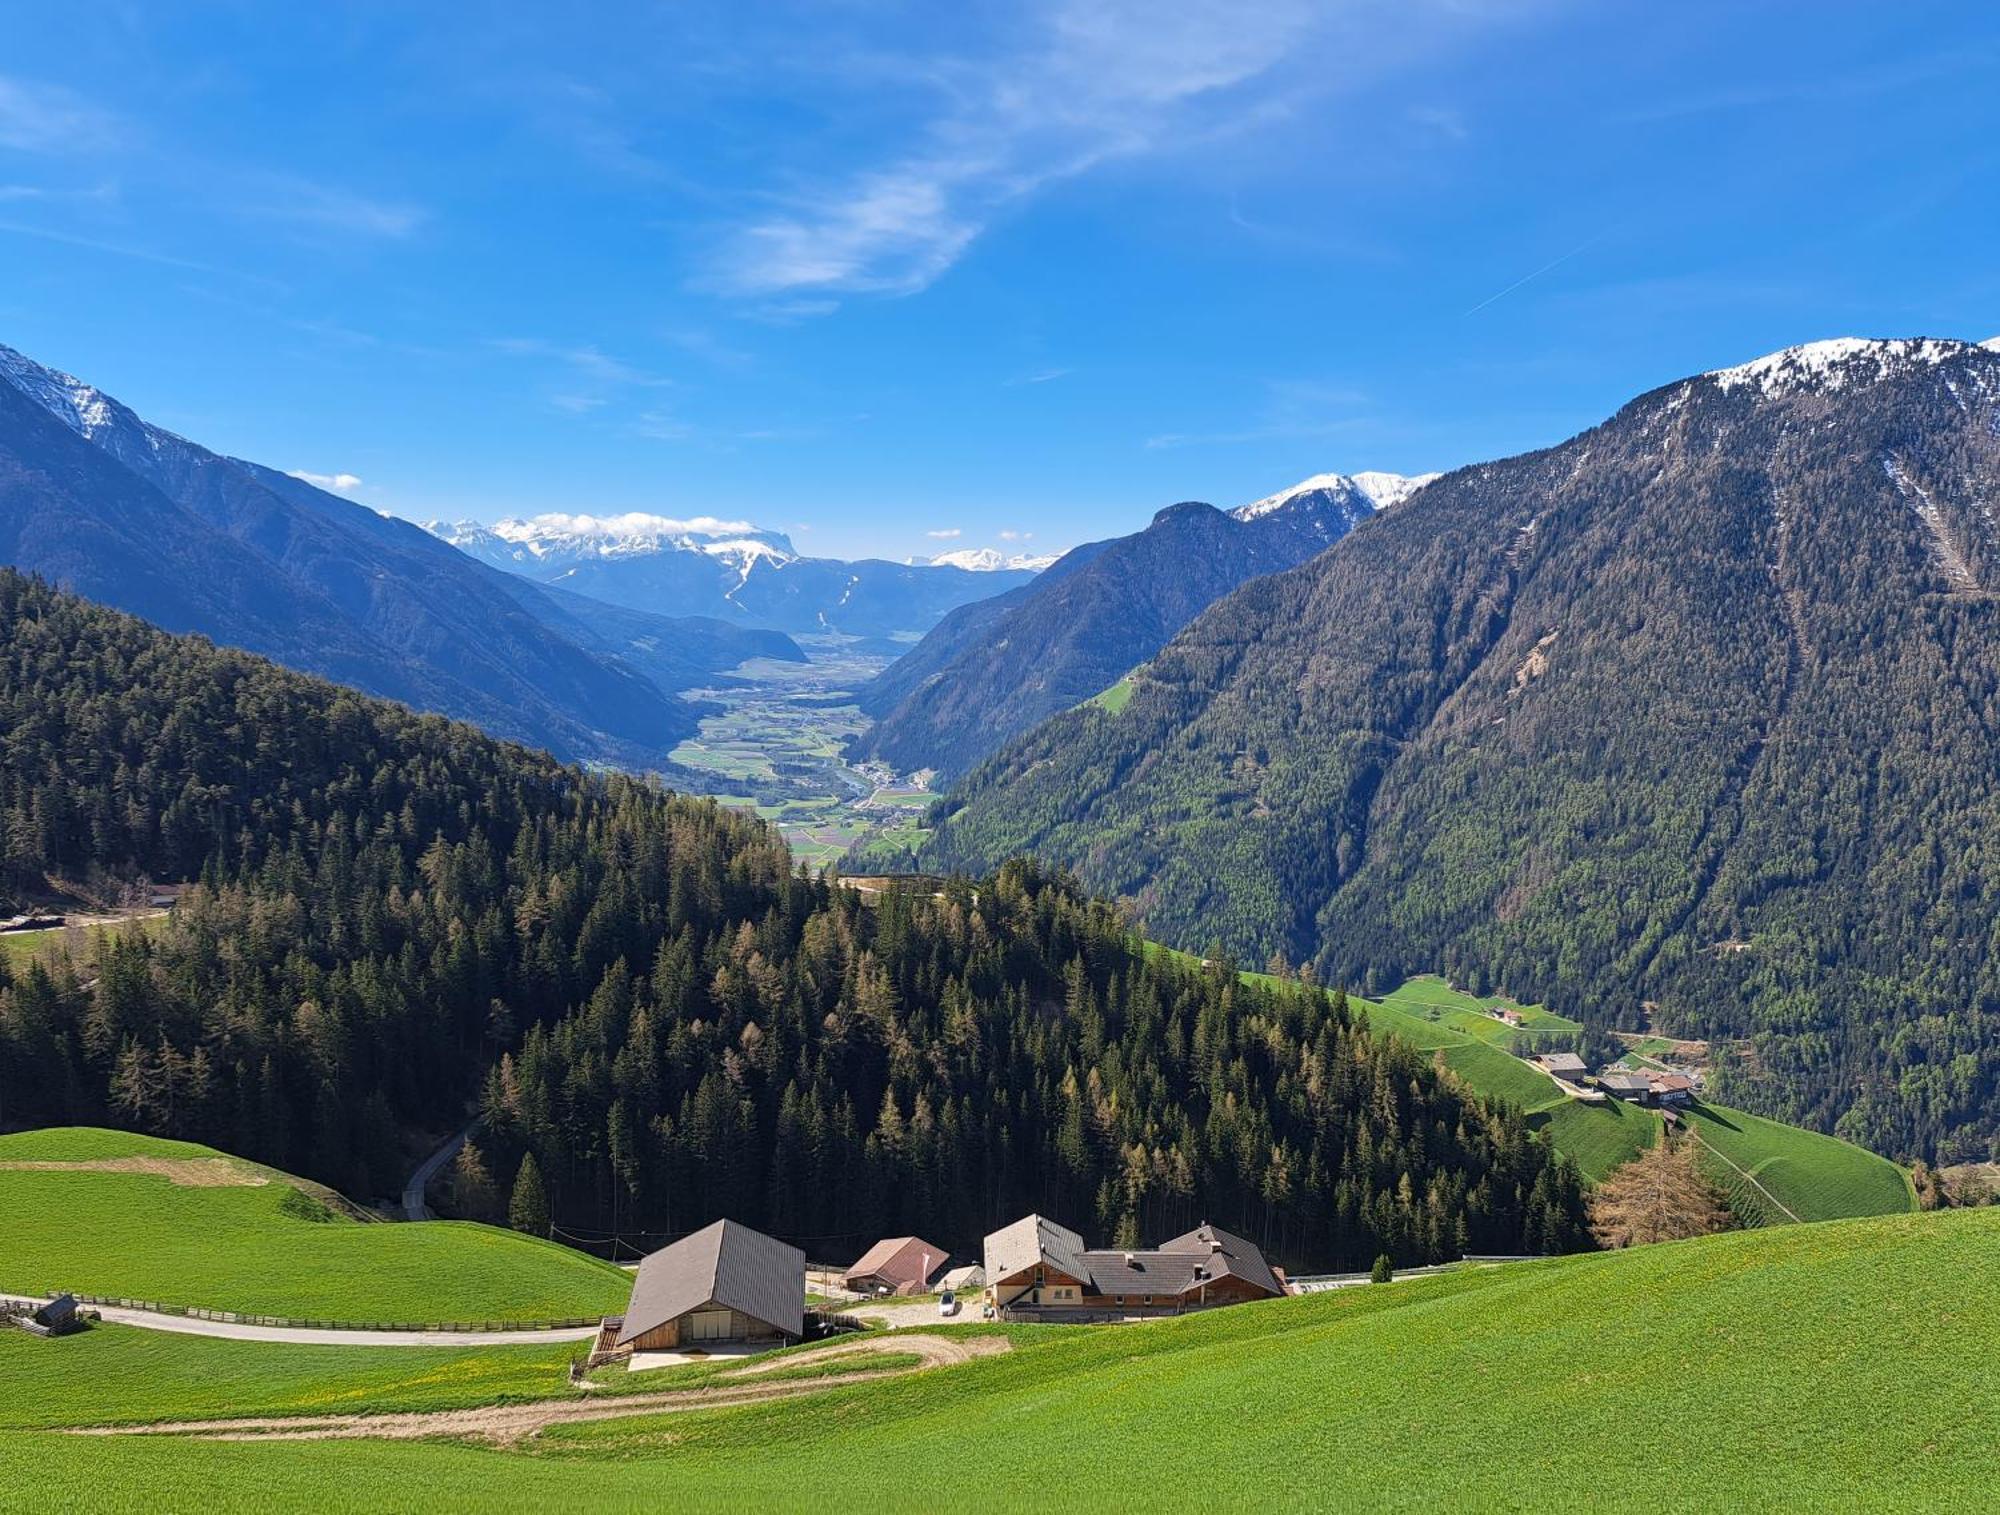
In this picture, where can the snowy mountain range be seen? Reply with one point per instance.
(992, 560)
(558, 540)
(732, 569)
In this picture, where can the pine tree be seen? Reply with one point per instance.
(528, 1208)
(1383, 1271)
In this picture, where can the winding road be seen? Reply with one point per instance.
(414, 1207)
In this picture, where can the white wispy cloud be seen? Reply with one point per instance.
(1015, 536)
(339, 483)
(578, 379)
(1092, 80)
(946, 533)
(325, 207)
(46, 118)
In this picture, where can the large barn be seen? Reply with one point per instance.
(724, 1284)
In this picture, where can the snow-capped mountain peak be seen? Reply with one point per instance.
(990, 560)
(1835, 363)
(1375, 489)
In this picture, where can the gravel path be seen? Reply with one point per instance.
(312, 1336)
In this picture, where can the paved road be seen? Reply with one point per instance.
(308, 1336)
(414, 1207)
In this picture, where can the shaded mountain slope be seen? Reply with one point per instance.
(99, 500)
(1695, 715)
(996, 669)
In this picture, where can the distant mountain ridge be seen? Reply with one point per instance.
(992, 670)
(1698, 711)
(97, 499)
(731, 570)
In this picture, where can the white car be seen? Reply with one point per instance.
(947, 1303)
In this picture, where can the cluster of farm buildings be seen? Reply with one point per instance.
(1664, 1087)
(728, 1286)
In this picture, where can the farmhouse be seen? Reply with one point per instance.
(1038, 1266)
(897, 1265)
(1505, 1016)
(1635, 1087)
(1566, 1066)
(725, 1283)
(1671, 1088)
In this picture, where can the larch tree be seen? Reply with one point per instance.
(1660, 1195)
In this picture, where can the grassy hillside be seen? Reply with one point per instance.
(179, 1223)
(1844, 1365)
(1772, 1172)
(1789, 1174)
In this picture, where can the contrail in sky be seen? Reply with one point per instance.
(1526, 278)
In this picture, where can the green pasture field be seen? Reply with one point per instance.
(138, 1235)
(1841, 1366)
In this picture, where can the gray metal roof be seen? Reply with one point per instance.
(1030, 1240)
(1227, 1254)
(724, 1264)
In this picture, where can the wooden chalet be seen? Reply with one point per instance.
(1037, 1266)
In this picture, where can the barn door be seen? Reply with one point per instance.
(711, 1325)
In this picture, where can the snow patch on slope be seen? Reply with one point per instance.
(79, 406)
(1836, 363)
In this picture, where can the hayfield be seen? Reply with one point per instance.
(239, 1246)
(1842, 1366)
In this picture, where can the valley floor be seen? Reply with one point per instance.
(776, 746)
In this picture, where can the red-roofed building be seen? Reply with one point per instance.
(897, 1265)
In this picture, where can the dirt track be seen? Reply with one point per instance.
(504, 1425)
(187, 1172)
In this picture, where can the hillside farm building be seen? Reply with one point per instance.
(1566, 1066)
(1038, 1269)
(897, 1265)
(1634, 1087)
(725, 1283)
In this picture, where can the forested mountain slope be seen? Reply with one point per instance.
(97, 499)
(684, 1027)
(994, 670)
(1697, 713)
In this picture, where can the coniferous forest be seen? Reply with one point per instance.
(396, 920)
(1690, 724)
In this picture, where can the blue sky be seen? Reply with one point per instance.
(878, 272)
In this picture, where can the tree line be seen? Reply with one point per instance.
(393, 918)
